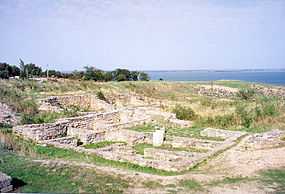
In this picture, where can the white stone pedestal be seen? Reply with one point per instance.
(158, 137)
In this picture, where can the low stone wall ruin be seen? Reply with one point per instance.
(7, 115)
(266, 140)
(88, 102)
(216, 91)
(89, 127)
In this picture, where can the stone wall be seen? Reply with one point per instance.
(270, 91)
(42, 131)
(220, 133)
(266, 140)
(228, 92)
(69, 140)
(7, 115)
(87, 136)
(215, 91)
(92, 124)
(88, 102)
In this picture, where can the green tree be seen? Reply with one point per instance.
(143, 76)
(121, 75)
(92, 73)
(135, 75)
(7, 71)
(29, 70)
(4, 70)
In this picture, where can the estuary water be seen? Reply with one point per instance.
(268, 77)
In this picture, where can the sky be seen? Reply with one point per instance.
(144, 34)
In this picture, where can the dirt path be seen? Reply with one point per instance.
(240, 162)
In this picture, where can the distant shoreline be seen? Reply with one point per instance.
(217, 70)
(275, 77)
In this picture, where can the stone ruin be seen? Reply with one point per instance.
(88, 102)
(94, 127)
(228, 92)
(266, 140)
(5, 183)
(7, 115)
(215, 91)
(68, 132)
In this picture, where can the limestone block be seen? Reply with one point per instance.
(158, 137)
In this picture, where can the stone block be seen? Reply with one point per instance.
(158, 137)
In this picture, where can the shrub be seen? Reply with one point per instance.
(246, 94)
(220, 121)
(101, 96)
(246, 116)
(224, 121)
(184, 113)
(48, 117)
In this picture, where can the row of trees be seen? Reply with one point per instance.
(25, 71)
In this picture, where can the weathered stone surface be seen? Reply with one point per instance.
(5, 183)
(265, 140)
(163, 154)
(215, 91)
(42, 131)
(7, 115)
(90, 102)
(185, 142)
(225, 134)
(131, 137)
(62, 140)
(180, 123)
(158, 137)
(228, 92)
(87, 136)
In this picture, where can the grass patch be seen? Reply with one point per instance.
(233, 84)
(101, 144)
(275, 179)
(65, 179)
(228, 180)
(191, 184)
(49, 117)
(152, 184)
(139, 148)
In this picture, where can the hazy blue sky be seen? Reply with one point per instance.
(144, 34)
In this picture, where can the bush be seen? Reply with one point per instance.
(101, 96)
(246, 94)
(246, 116)
(184, 113)
(220, 121)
